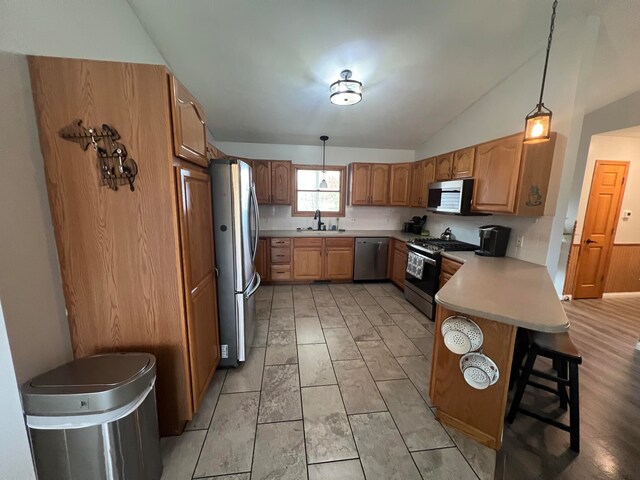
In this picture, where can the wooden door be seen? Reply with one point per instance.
(444, 167)
(399, 267)
(196, 233)
(262, 179)
(189, 128)
(360, 183)
(262, 264)
(379, 191)
(307, 263)
(338, 263)
(497, 166)
(463, 161)
(417, 184)
(400, 184)
(429, 173)
(601, 220)
(281, 182)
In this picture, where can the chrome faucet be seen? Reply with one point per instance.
(317, 216)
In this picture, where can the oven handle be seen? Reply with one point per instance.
(426, 259)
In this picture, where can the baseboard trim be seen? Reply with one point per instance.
(620, 294)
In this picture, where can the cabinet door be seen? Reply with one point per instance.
(463, 161)
(189, 129)
(360, 183)
(399, 267)
(338, 263)
(281, 182)
(379, 184)
(307, 263)
(262, 179)
(400, 184)
(444, 166)
(196, 233)
(262, 264)
(417, 185)
(429, 173)
(497, 167)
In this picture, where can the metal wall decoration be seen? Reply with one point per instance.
(115, 167)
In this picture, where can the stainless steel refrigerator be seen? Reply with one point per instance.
(237, 228)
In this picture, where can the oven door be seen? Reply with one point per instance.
(421, 281)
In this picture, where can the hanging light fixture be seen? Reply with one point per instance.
(346, 91)
(537, 126)
(323, 183)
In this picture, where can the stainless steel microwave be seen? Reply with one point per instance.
(452, 196)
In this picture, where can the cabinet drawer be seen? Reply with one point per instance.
(280, 242)
(339, 242)
(307, 242)
(280, 255)
(444, 278)
(449, 266)
(400, 245)
(280, 272)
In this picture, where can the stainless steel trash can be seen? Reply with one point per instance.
(95, 418)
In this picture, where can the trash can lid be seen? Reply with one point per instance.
(89, 385)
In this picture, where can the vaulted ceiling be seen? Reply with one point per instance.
(262, 69)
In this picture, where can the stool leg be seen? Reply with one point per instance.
(562, 388)
(522, 384)
(520, 351)
(574, 407)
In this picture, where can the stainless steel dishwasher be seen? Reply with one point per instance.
(371, 258)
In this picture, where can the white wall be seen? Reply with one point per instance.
(501, 112)
(15, 456)
(278, 217)
(605, 147)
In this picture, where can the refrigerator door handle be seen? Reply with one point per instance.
(254, 289)
(254, 199)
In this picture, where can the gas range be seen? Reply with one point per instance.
(433, 246)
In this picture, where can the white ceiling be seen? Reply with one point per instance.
(262, 69)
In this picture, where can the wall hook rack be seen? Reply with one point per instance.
(115, 167)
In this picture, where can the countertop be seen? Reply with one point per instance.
(506, 290)
(334, 233)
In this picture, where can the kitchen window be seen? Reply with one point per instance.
(308, 197)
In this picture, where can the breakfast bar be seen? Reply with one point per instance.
(497, 295)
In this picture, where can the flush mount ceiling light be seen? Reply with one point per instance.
(537, 127)
(323, 183)
(346, 91)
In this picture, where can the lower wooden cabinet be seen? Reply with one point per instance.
(338, 259)
(261, 260)
(398, 263)
(307, 258)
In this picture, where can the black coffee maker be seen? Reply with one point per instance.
(493, 240)
(415, 225)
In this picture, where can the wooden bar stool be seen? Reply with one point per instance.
(566, 358)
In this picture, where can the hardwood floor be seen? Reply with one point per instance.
(605, 331)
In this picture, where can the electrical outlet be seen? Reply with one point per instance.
(519, 241)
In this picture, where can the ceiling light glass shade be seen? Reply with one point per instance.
(537, 126)
(346, 91)
(323, 184)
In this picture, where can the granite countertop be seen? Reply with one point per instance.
(506, 290)
(334, 233)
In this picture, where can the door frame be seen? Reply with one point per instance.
(607, 260)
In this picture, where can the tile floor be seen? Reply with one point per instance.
(336, 387)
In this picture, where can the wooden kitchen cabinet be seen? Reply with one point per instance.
(423, 174)
(279, 259)
(338, 258)
(189, 126)
(397, 262)
(307, 258)
(400, 184)
(369, 183)
(444, 167)
(447, 270)
(511, 177)
(136, 266)
(273, 181)
(463, 162)
(262, 263)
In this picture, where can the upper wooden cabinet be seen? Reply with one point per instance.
(444, 167)
(463, 162)
(213, 152)
(189, 127)
(273, 181)
(400, 184)
(511, 177)
(369, 183)
(423, 174)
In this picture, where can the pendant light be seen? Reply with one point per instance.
(345, 91)
(323, 183)
(537, 126)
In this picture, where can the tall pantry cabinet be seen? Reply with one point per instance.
(137, 266)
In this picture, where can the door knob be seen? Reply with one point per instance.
(588, 241)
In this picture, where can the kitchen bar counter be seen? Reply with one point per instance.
(505, 290)
(334, 233)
